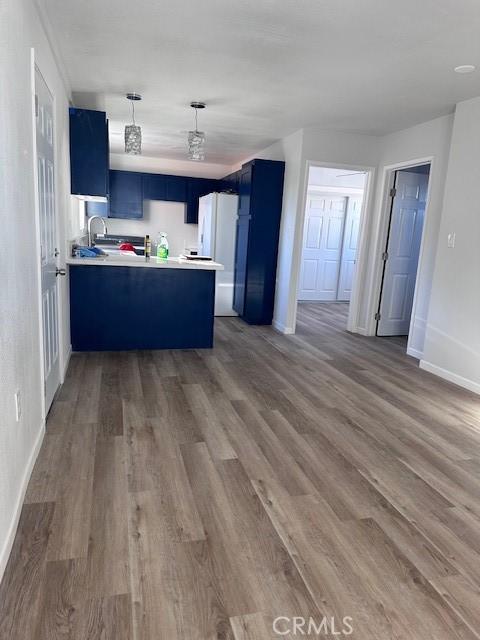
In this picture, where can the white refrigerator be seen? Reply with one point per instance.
(217, 224)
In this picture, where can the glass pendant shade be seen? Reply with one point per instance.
(133, 139)
(196, 145)
(196, 138)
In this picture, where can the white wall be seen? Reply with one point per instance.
(306, 146)
(452, 343)
(290, 151)
(159, 216)
(428, 140)
(343, 149)
(170, 167)
(338, 178)
(20, 29)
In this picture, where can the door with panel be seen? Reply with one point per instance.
(349, 248)
(44, 135)
(322, 247)
(402, 253)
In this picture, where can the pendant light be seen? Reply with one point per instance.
(133, 133)
(196, 138)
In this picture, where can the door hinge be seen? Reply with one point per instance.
(377, 316)
(36, 106)
(393, 192)
(385, 256)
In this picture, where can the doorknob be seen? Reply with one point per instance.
(60, 272)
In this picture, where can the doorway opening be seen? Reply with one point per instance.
(401, 251)
(333, 209)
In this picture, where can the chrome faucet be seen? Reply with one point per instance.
(89, 228)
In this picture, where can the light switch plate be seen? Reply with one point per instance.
(451, 240)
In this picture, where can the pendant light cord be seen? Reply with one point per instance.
(196, 119)
(133, 112)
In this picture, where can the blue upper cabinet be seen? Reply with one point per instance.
(158, 186)
(89, 153)
(128, 189)
(258, 226)
(154, 186)
(126, 194)
(244, 189)
(196, 188)
(176, 188)
(230, 182)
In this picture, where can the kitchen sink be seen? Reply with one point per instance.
(111, 243)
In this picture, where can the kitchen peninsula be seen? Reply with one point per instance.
(123, 302)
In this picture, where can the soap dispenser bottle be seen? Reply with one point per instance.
(162, 246)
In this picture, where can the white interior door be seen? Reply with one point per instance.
(322, 247)
(403, 250)
(48, 235)
(349, 250)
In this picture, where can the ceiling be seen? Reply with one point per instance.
(265, 68)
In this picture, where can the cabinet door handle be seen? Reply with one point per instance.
(60, 272)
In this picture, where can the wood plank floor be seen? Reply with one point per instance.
(198, 495)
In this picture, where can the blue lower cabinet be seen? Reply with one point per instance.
(126, 194)
(123, 308)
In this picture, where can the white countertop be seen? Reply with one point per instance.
(126, 259)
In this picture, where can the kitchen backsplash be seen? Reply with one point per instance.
(157, 216)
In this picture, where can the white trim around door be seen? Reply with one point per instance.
(368, 197)
(371, 286)
(46, 228)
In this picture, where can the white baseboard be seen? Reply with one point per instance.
(68, 355)
(281, 328)
(415, 353)
(8, 543)
(450, 376)
(361, 330)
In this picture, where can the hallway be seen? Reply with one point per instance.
(194, 495)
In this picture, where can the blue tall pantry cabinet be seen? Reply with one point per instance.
(260, 189)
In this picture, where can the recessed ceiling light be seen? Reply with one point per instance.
(465, 68)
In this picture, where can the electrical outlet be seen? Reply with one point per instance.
(451, 240)
(18, 406)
